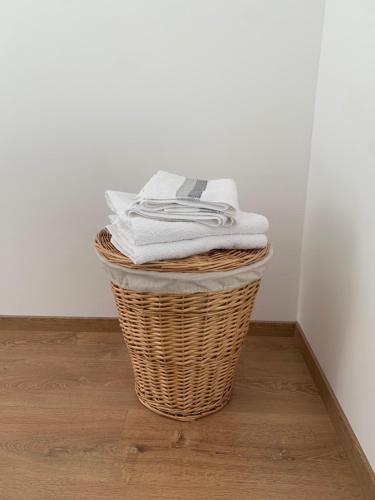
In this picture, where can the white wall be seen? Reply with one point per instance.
(336, 308)
(99, 94)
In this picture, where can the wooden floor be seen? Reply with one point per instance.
(71, 428)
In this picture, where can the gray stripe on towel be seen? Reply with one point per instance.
(185, 188)
(198, 189)
(191, 188)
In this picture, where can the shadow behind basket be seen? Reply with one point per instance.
(184, 347)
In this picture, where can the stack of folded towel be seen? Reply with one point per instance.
(175, 216)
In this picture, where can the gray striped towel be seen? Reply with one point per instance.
(173, 197)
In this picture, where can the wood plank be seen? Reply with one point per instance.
(234, 455)
(62, 453)
(14, 338)
(71, 427)
(55, 381)
(365, 474)
(79, 324)
(272, 328)
(58, 323)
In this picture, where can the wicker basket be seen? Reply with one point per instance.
(184, 347)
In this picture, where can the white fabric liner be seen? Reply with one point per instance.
(183, 283)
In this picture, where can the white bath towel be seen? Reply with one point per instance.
(173, 197)
(140, 254)
(143, 231)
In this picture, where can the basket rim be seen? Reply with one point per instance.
(214, 260)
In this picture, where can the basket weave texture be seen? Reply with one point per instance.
(184, 348)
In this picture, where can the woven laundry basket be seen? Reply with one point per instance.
(184, 322)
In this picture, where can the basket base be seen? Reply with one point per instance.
(188, 417)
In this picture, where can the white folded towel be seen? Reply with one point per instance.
(143, 231)
(173, 197)
(140, 254)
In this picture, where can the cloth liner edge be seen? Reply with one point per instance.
(183, 282)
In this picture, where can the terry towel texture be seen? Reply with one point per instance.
(174, 216)
(140, 254)
(173, 197)
(143, 231)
